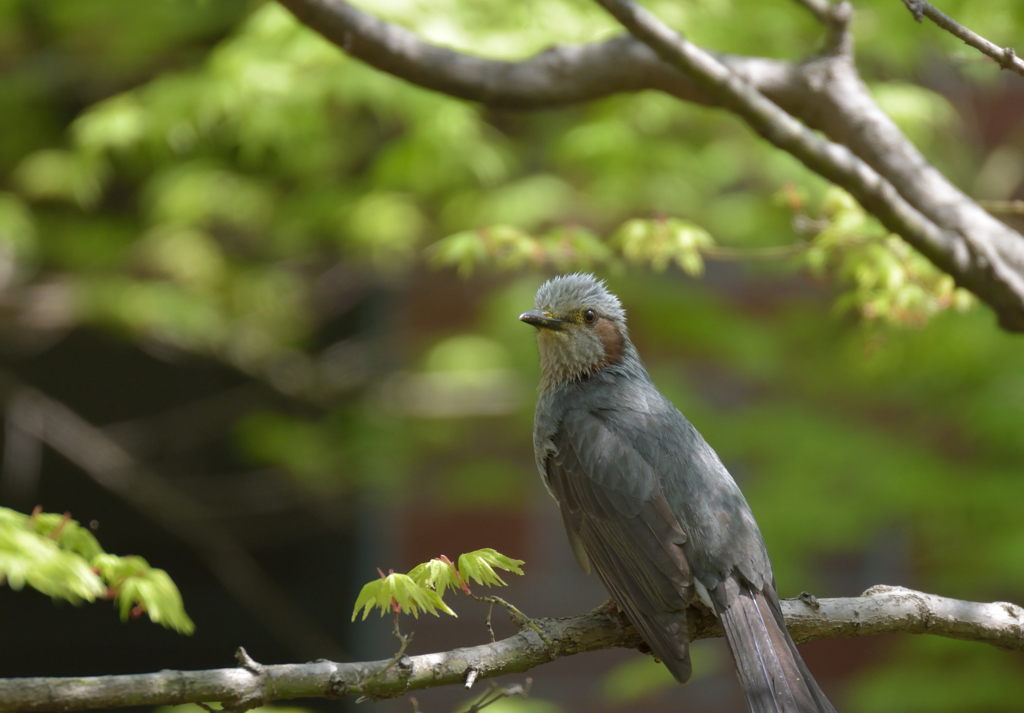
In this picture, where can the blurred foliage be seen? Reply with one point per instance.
(639, 678)
(506, 703)
(277, 150)
(207, 707)
(55, 555)
(192, 174)
(889, 280)
(974, 680)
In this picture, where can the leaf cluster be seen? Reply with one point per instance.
(886, 279)
(424, 587)
(60, 558)
(880, 277)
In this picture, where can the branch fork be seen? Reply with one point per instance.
(786, 102)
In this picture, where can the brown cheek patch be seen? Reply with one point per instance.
(614, 343)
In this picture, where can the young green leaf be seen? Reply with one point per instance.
(398, 590)
(439, 574)
(139, 588)
(573, 247)
(479, 566)
(662, 241)
(29, 557)
(57, 556)
(464, 250)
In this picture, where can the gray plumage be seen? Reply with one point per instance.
(648, 504)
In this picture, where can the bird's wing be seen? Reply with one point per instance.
(613, 506)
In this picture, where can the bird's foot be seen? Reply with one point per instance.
(703, 608)
(611, 610)
(810, 600)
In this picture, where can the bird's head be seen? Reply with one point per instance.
(581, 328)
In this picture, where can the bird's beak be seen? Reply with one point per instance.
(541, 320)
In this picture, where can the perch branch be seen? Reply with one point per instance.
(879, 610)
(114, 468)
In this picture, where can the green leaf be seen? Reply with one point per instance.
(70, 535)
(573, 247)
(886, 279)
(661, 242)
(28, 556)
(53, 174)
(152, 591)
(464, 250)
(423, 587)
(502, 247)
(385, 227)
(479, 566)
(139, 588)
(57, 556)
(438, 574)
(401, 590)
(18, 233)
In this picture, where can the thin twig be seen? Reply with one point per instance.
(494, 694)
(836, 18)
(778, 252)
(833, 161)
(1005, 57)
(520, 619)
(490, 629)
(404, 641)
(980, 252)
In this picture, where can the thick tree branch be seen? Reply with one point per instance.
(880, 610)
(1005, 57)
(985, 255)
(555, 77)
(974, 264)
(892, 179)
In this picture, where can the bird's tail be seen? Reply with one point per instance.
(773, 676)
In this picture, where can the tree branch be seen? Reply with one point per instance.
(974, 264)
(891, 179)
(556, 77)
(1005, 57)
(987, 256)
(879, 610)
(836, 18)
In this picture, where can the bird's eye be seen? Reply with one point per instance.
(589, 316)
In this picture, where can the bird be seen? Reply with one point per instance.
(647, 503)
